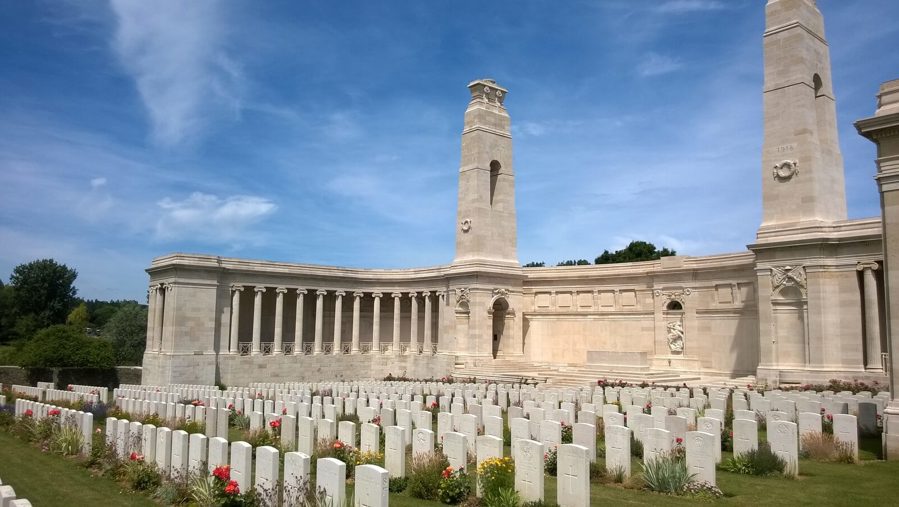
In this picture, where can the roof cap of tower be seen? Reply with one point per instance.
(488, 90)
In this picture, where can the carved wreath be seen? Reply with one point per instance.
(787, 276)
(466, 225)
(673, 295)
(462, 296)
(785, 170)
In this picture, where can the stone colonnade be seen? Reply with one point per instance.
(874, 359)
(298, 345)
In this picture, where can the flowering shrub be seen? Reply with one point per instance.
(425, 475)
(376, 420)
(275, 425)
(551, 461)
(136, 457)
(496, 475)
(454, 486)
(53, 412)
(679, 451)
(219, 489)
(702, 490)
(370, 458)
(567, 433)
(344, 452)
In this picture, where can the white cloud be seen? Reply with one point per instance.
(98, 182)
(684, 6)
(654, 64)
(210, 218)
(175, 53)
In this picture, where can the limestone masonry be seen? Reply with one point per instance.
(806, 302)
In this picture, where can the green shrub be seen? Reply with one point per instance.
(454, 487)
(65, 346)
(398, 484)
(502, 497)
(496, 474)
(425, 475)
(551, 461)
(759, 461)
(141, 476)
(636, 447)
(666, 474)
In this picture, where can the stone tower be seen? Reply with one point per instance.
(486, 229)
(802, 168)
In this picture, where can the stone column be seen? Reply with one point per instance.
(151, 309)
(157, 317)
(413, 323)
(441, 306)
(257, 321)
(872, 316)
(298, 328)
(396, 322)
(234, 347)
(338, 316)
(357, 302)
(319, 317)
(278, 348)
(883, 130)
(376, 324)
(427, 297)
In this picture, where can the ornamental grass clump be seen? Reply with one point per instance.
(454, 486)
(759, 462)
(426, 474)
(666, 474)
(824, 447)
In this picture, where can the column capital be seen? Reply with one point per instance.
(281, 290)
(396, 295)
(425, 294)
(259, 288)
(376, 294)
(358, 294)
(873, 266)
(413, 295)
(236, 287)
(321, 292)
(301, 291)
(340, 293)
(441, 293)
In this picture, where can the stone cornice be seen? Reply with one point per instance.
(793, 24)
(815, 233)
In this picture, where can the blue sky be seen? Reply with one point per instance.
(328, 132)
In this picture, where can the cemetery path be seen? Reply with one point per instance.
(50, 480)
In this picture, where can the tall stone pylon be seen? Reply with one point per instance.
(486, 227)
(802, 167)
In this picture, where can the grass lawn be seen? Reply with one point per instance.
(49, 479)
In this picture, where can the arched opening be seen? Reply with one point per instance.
(500, 307)
(789, 307)
(674, 305)
(494, 175)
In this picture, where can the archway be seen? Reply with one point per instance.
(500, 307)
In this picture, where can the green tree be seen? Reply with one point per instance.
(535, 264)
(127, 331)
(79, 317)
(45, 290)
(59, 346)
(8, 316)
(636, 251)
(579, 262)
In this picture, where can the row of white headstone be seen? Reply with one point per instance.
(83, 421)
(8, 497)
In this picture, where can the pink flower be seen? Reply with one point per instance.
(53, 412)
(28, 413)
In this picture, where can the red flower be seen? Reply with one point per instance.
(447, 472)
(679, 440)
(284, 411)
(434, 404)
(338, 444)
(70, 387)
(376, 420)
(829, 417)
(232, 488)
(223, 472)
(230, 406)
(29, 413)
(136, 457)
(53, 412)
(275, 424)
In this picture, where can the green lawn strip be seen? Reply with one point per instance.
(49, 479)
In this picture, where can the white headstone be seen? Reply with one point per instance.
(455, 447)
(268, 473)
(701, 456)
(573, 479)
(371, 435)
(713, 427)
(242, 465)
(746, 436)
(618, 449)
(845, 429)
(331, 480)
(372, 486)
(180, 454)
(218, 453)
(164, 450)
(584, 434)
(395, 451)
(422, 442)
(529, 469)
(784, 439)
(197, 453)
